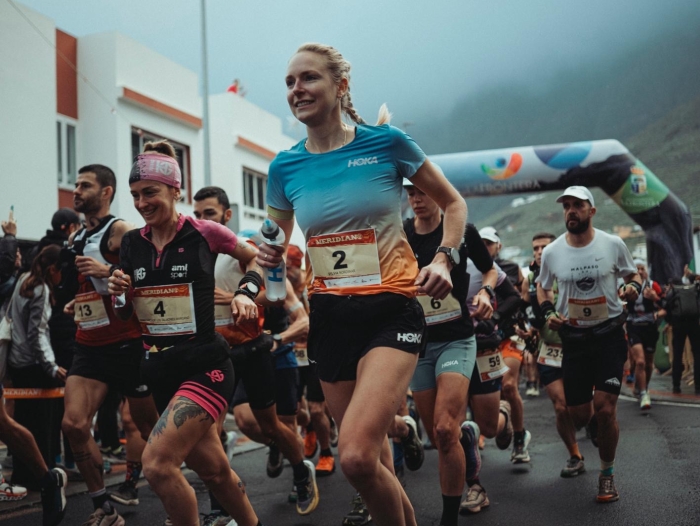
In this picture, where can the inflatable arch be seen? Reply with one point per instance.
(607, 164)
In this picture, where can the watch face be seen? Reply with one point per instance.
(455, 255)
(252, 287)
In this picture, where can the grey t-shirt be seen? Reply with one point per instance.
(587, 277)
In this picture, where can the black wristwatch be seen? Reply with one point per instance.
(489, 291)
(277, 338)
(451, 253)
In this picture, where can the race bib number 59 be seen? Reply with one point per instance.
(345, 259)
(165, 310)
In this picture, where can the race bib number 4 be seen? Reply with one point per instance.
(491, 365)
(90, 312)
(550, 354)
(165, 310)
(345, 259)
(588, 312)
(440, 311)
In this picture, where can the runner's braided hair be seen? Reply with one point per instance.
(339, 69)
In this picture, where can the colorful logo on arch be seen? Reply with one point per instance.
(503, 169)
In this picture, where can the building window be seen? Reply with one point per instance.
(66, 152)
(254, 188)
(140, 137)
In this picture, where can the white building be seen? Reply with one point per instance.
(55, 121)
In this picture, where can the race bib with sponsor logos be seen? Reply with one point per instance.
(223, 317)
(588, 312)
(301, 355)
(345, 259)
(550, 354)
(490, 365)
(165, 310)
(90, 312)
(440, 311)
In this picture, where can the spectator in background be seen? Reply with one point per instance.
(31, 360)
(683, 328)
(9, 254)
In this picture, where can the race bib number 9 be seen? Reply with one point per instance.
(90, 312)
(440, 311)
(588, 312)
(550, 354)
(345, 259)
(165, 310)
(491, 365)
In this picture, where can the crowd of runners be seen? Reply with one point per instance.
(385, 325)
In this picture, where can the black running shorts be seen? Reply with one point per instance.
(118, 365)
(596, 362)
(255, 369)
(645, 335)
(343, 329)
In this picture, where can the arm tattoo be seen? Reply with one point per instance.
(160, 425)
(185, 409)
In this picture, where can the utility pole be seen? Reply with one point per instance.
(205, 97)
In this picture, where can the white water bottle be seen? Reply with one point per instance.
(275, 278)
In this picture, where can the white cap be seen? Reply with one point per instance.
(489, 234)
(580, 192)
(638, 261)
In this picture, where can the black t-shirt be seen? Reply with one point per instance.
(174, 289)
(424, 247)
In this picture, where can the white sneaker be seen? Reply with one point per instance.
(645, 401)
(10, 492)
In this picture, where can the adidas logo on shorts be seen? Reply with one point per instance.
(613, 381)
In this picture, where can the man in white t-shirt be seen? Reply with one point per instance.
(589, 316)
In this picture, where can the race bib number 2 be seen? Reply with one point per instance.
(165, 310)
(345, 259)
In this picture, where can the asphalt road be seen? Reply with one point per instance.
(657, 473)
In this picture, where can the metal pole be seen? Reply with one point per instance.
(205, 98)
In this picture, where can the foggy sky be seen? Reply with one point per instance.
(419, 57)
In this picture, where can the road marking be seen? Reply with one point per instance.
(660, 402)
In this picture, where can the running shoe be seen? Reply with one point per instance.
(334, 433)
(310, 444)
(229, 444)
(275, 461)
(106, 466)
(645, 401)
(505, 437)
(474, 501)
(10, 492)
(573, 467)
(520, 454)
(217, 518)
(413, 413)
(532, 390)
(325, 466)
(630, 378)
(470, 444)
(606, 489)
(115, 456)
(105, 516)
(412, 446)
(308, 497)
(592, 430)
(127, 494)
(359, 515)
(53, 497)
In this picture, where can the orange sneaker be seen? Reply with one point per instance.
(325, 466)
(310, 444)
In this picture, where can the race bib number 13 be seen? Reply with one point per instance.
(345, 259)
(90, 312)
(165, 310)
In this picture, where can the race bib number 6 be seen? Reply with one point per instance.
(345, 259)
(439, 311)
(165, 310)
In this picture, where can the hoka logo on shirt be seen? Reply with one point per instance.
(409, 337)
(362, 161)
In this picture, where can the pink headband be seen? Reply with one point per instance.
(156, 167)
